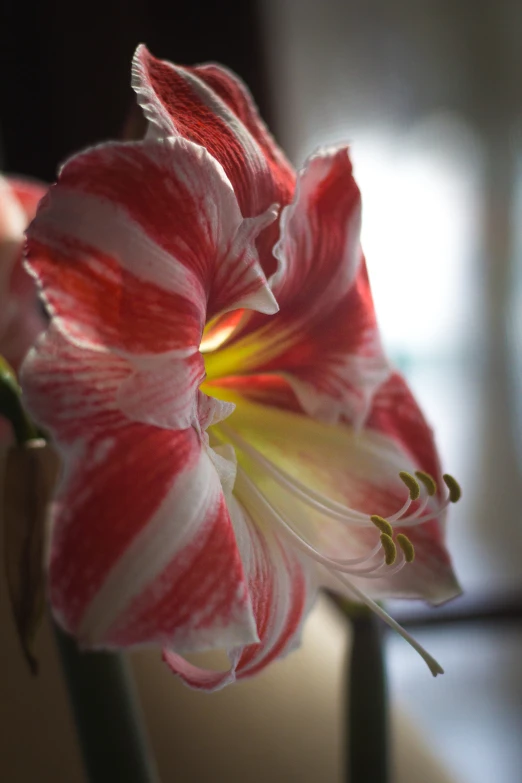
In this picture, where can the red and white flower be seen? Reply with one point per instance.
(228, 421)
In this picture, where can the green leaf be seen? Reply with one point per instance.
(30, 475)
(11, 407)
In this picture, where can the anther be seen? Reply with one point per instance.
(390, 550)
(453, 486)
(411, 483)
(382, 524)
(428, 481)
(407, 547)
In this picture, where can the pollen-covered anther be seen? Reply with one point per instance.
(390, 550)
(382, 524)
(428, 481)
(411, 483)
(407, 547)
(453, 486)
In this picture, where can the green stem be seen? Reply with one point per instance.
(11, 407)
(367, 758)
(110, 729)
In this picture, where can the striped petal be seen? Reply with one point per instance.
(283, 591)
(72, 391)
(237, 97)
(210, 106)
(143, 549)
(166, 395)
(154, 229)
(324, 341)
(308, 471)
(396, 414)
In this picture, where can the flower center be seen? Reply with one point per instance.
(390, 553)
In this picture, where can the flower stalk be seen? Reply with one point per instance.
(106, 711)
(11, 407)
(367, 745)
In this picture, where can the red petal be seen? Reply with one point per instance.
(396, 414)
(142, 549)
(72, 391)
(282, 595)
(324, 341)
(212, 107)
(359, 469)
(150, 228)
(164, 395)
(239, 100)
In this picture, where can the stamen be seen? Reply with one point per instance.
(428, 481)
(455, 494)
(413, 519)
(382, 524)
(411, 483)
(453, 486)
(386, 571)
(338, 568)
(407, 547)
(419, 518)
(390, 550)
(434, 667)
(398, 514)
(339, 511)
(345, 566)
(317, 500)
(308, 495)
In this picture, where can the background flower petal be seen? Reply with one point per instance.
(21, 314)
(28, 193)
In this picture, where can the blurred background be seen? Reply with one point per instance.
(428, 93)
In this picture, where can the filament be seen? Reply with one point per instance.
(338, 568)
(343, 565)
(325, 505)
(433, 665)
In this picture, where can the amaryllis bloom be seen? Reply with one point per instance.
(232, 434)
(21, 315)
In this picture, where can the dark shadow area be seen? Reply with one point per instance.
(65, 67)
